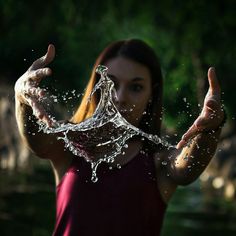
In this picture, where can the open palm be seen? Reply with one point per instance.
(212, 113)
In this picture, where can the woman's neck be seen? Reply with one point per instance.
(134, 147)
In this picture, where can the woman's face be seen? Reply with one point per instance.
(133, 87)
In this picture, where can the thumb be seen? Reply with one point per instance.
(214, 86)
(50, 54)
(46, 59)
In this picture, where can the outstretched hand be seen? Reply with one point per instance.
(212, 113)
(27, 86)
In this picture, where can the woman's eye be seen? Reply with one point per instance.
(136, 87)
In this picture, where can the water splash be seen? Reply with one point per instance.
(101, 137)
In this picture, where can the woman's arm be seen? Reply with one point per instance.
(199, 143)
(186, 164)
(30, 106)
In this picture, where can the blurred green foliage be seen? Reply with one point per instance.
(188, 36)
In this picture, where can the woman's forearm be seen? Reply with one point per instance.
(189, 162)
(26, 121)
(38, 142)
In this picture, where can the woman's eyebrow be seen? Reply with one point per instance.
(135, 79)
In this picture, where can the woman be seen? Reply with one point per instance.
(130, 200)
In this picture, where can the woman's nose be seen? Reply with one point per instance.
(120, 96)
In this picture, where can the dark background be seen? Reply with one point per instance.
(188, 37)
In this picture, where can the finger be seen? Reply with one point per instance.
(203, 124)
(35, 92)
(212, 106)
(44, 60)
(191, 132)
(181, 144)
(38, 74)
(213, 82)
(39, 112)
(211, 120)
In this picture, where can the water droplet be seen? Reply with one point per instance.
(95, 129)
(164, 163)
(186, 158)
(94, 179)
(118, 166)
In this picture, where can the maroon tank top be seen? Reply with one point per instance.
(122, 202)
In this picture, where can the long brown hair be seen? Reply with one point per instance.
(138, 51)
